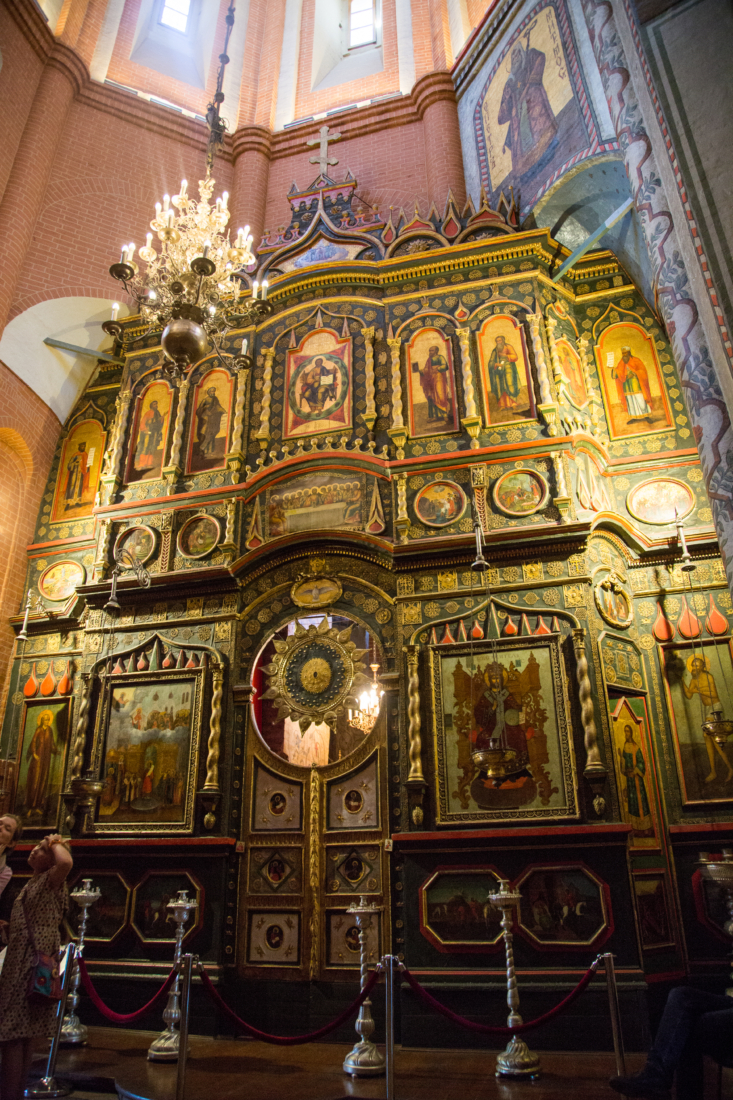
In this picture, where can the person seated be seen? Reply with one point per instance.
(693, 1023)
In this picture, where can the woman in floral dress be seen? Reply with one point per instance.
(21, 1021)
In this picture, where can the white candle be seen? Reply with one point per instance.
(245, 345)
(115, 310)
(255, 290)
(265, 286)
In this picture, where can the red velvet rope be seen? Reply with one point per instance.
(118, 1017)
(486, 1029)
(288, 1040)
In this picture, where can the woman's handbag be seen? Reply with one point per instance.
(44, 982)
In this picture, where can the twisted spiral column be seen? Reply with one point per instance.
(212, 758)
(585, 692)
(263, 433)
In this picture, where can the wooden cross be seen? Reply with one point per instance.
(323, 160)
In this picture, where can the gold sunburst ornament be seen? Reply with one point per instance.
(315, 674)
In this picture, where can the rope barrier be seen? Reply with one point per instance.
(287, 1040)
(117, 1017)
(486, 1029)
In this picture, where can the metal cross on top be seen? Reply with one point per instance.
(323, 160)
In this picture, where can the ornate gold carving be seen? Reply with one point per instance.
(263, 433)
(212, 758)
(369, 417)
(82, 725)
(173, 471)
(593, 766)
(315, 871)
(235, 457)
(317, 661)
(413, 713)
(535, 320)
(402, 523)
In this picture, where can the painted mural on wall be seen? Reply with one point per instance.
(634, 394)
(505, 375)
(150, 433)
(79, 470)
(633, 765)
(41, 760)
(533, 116)
(512, 698)
(698, 678)
(318, 385)
(432, 386)
(207, 444)
(314, 502)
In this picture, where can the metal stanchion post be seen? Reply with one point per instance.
(48, 1087)
(73, 1032)
(185, 974)
(165, 1047)
(618, 1040)
(390, 961)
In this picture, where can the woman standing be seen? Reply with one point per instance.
(36, 917)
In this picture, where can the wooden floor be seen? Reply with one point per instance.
(225, 1069)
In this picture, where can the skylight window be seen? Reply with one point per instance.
(361, 22)
(175, 14)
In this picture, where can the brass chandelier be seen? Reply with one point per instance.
(192, 284)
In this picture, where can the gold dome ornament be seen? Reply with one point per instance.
(315, 674)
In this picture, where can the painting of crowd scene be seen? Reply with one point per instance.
(314, 502)
(457, 910)
(562, 905)
(148, 750)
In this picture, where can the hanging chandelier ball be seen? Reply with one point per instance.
(184, 342)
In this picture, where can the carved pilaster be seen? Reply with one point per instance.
(229, 544)
(402, 523)
(370, 416)
(212, 757)
(546, 408)
(173, 470)
(471, 421)
(263, 433)
(111, 481)
(594, 771)
(314, 871)
(595, 401)
(551, 325)
(104, 539)
(562, 500)
(235, 457)
(166, 539)
(82, 725)
(416, 785)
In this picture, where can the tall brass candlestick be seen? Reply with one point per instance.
(365, 1059)
(517, 1060)
(165, 1047)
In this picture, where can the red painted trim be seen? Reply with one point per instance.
(511, 833)
(706, 827)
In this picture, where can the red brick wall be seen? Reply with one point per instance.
(110, 169)
(477, 10)
(128, 72)
(308, 102)
(28, 435)
(19, 76)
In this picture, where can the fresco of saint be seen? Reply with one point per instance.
(503, 374)
(526, 107)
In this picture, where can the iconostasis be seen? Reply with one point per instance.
(318, 697)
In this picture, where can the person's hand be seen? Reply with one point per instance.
(53, 838)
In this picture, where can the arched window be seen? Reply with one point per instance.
(175, 14)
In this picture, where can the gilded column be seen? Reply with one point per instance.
(593, 764)
(416, 784)
(173, 471)
(235, 457)
(471, 421)
(82, 724)
(314, 869)
(551, 325)
(402, 523)
(263, 433)
(369, 417)
(212, 758)
(595, 401)
(397, 432)
(562, 500)
(546, 407)
(111, 480)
